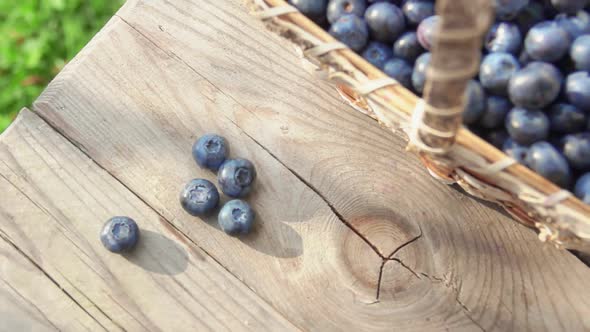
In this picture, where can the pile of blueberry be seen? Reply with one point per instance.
(532, 95)
(235, 177)
(200, 197)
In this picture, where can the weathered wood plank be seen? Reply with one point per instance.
(30, 301)
(52, 208)
(137, 109)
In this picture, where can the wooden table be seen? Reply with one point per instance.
(352, 233)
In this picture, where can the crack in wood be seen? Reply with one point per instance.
(20, 251)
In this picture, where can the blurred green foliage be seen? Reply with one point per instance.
(37, 38)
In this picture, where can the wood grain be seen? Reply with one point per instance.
(30, 301)
(336, 196)
(54, 203)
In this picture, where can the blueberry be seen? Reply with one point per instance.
(577, 90)
(119, 234)
(236, 176)
(582, 188)
(535, 86)
(524, 59)
(576, 149)
(338, 8)
(352, 31)
(566, 119)
(569, 6)
(475, 104)
(315, 10)
(580, 52)
(377, 54)
(400, 71)
(495, 72)
(515, 151)
(236, 217)
(529, 16)
(199, 197)
(507, 10)
(417, 10)
(496, 137)
(503, 37)
(408, 47)
(575, 25)
(544, 159)
(386, 21)
(427, 31)
(495, 112)
(210, 151)
(547, 41)
(526, 126)
(419, 73)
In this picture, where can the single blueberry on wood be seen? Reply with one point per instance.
(535, 86)
(199, 196)
(582, 188)
(377, 54)
(496, 70)
(235, 177)
(408, 47)
(236, 217)
(547, 41)
(399, 70)
(119, 234)
(338, 8)
(210, 151)
(386, 21)
(527, 126)
(352, 31)
(503, 37)
(544, 159)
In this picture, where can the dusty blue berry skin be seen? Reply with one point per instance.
(417, 10)
(210, 151)
(582, 188)
(338, 8)
(535, 86)
(235, 177)
(507, 10)
(475, 104)
(577, 90)
(503, 37)
(576, 149)
(236, 217)
(352, 31)
(515, 151)
(569, 6)
(495, 72)
(408, 47)
(419, 73)
(547, 41)
(119, 234)
(400, 70)
(495, 112)
(529, 16)
(526, 126)
(426, 31)
(386, 21)
(199, 197)
(314, 9)
(566, 118)
(575, 25)
(580, 52)
(377, 54)
(544, 159)
(496, 137)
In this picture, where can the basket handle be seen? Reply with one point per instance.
(455, 60)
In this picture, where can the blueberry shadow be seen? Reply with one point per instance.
(158, 254)
(270, 237)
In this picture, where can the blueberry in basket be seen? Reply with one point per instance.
(531, 96)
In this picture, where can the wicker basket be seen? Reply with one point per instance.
(432, 126)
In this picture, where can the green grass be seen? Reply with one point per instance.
(38, 37)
